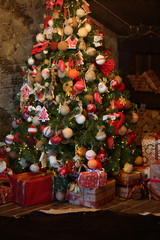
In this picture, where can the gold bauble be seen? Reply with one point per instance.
(139, 160)
(63, 46)
(81, 151)
(128, 168)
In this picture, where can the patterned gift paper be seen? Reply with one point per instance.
(155, 180)
(150, 148)
(92, 179)
(128, 179)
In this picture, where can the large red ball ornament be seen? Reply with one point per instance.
(79, 85)
(92, 163)
(73, 73)
(91, 108)
(63, 172)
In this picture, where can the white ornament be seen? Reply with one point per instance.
(80, 13)
(60, 196)
(67, 133)
(82, 32)
(2, 166)
(45, 51)
(128, 168)
(47, 131)
(101, 136)
(8, 149)
(31, 61)
(88, 27)
(80, 119)
(34, 167)
(53, 161)
(102, 87)
(40, 37)
(9, 138)
(29, 119)
(100, 59)
(91, 51)
(90, 154)
(14, 124)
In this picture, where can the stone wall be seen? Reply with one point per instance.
(20, 22)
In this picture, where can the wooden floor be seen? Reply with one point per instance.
(117, 205)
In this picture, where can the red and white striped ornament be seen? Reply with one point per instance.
(90, 154)
(100, 59)
(79, 85)
(47, 131)
(9, 138)
(32, 129)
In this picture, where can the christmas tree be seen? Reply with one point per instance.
(73, 109)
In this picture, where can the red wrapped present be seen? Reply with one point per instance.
(91, 197)
(128, 179)
(32, 188)
(92, 179)
(6, 193)
(154, 182)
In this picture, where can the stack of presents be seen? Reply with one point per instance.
(91, 188)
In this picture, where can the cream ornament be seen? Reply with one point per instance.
(102, 88)
(128, 168)
(80, 13)
(82, 32)
(31, 61)
(80, 119)
(91, 51)
(88, 27)
(34, 167)
(68, 30)
(100, 59)
(64, 109)
(90, 154)
(67, 133)
(101, 136)
(60, 196)
(29, 119)
(40, 37)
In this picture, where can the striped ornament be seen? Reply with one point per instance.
(32, 129)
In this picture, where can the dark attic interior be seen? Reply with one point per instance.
(80, 119)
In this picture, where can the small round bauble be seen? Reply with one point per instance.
(68, 30)
(45, 73)
(89, 97)
(34, 167)
(101, 136)
(32, 129)
(29, 119)
(122, 130)
(38, 78)
(67, 133)
(73, 73)
(139, 160)
(82, 32)
(74, 22)
(14, 124)
(38, 56)
(53, 161)
(81, 151)
(54, 46)
(118, 79)
(92, 163)
(88, 27)
(102, 88)
(31, 61)
(45, 51)
(79, 85)
(134, 117)
(63, 172)
(39, 144)
(36, 121)
(80, 119)
(90, 154)
(63, 46)
(99, 165)
(64, 110)
(91, 51)
(100, 59)
(47, 131)
(119, 104)
(91, 108)
(40, 37)
(80, 13)
(128, 168)
(60, 196)
(9, 138)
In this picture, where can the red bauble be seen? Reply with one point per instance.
(54, 46)
(99, 165)
(98, 98)
(79, 85)
(56, 140)
(92, 163)
(121, 87)
(120, 105)
(114, 84)
(102, 157)
(91, 108)
(110, 142)
(63, 172)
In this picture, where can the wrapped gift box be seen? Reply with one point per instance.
(150, 148)
(154, 182)
(6, 193)
(92, 179)
(134, 192)
(128, 179)
(92, 197)
(32, 188)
